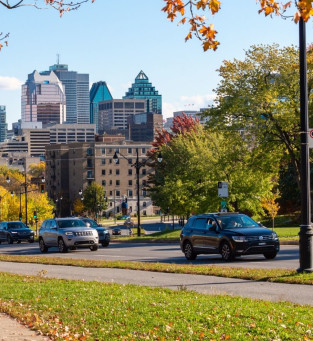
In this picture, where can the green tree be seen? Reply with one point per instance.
(194, 162)
(260, 96)
(37, 170)
(94, 199)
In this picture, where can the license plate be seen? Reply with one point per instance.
(262, 243)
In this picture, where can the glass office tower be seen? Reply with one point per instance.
(3, 123)
(98, 92)
(76, 92)
(43, 99)
(143, 89)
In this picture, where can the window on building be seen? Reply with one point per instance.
(111, 193)
(144, 204)
(103, 171)
(111, 182)
(110, 171)
(130, 151)
(89, 163)
(118, 193)
(103, 161)
(130, 172)
(144, 171)
(89, 151)
(130, 182)
(117, 182)
(129, 161)
(117, 172)
(103, 183)
(130, 193)
(103, 150)
(143, 150)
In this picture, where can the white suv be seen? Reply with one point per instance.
(67, 233)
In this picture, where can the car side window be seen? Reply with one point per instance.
(200, 223)
(211, 224)
(1, 226)
(53, 224)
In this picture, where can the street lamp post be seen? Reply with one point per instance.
(137, 166)
(306, 233)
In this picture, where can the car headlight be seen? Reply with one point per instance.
(32, 232)
(69, 233)
(274, 236)
(239, 239)
(14, 232)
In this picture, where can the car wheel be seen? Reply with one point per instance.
(105, 244)
(94, 247)
(270, 255)
(9, 239)
(62, 247)
(189, 252)
(227, 253)
(42, 246)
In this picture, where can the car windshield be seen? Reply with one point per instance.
(68, 223)
(16, 225)
(91, 222)
(236, 221)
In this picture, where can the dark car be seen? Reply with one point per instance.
(104, 234)
(228, 234)
(116, 231)
(15, 231)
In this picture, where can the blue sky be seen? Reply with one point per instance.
(114, 40)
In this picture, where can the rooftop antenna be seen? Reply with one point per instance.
(58, 58)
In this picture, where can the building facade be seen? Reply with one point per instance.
(76, 91)
(93, 162)
(113, 114)
(143, 89)
(3, 123)
(143, 127)
(43, 99)
(98, 92)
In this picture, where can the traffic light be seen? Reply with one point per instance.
(20, 216)
(42, 188)
(35, 215)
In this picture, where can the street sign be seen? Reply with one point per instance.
(223, 206)
(310, 138)
(222, 188)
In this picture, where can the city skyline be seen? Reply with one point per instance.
(114, 46)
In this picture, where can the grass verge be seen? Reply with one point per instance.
(267, 275)
(76, 310)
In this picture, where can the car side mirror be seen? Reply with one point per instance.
(260, 224)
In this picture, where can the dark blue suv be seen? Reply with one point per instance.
(15, 231)
(228, 234)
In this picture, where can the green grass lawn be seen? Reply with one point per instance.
(77, 310)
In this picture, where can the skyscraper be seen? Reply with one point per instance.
(43, 99)
(98, 92)
(143, 89)
(76, 92)
(3, 123)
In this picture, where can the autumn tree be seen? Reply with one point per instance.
(94, 199)
(37, 170)
(260, 97)
(193, 163)
(270, 204)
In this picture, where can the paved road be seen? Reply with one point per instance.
(157, 252)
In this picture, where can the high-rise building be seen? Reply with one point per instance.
(98, 92)
(113, 114)
(76, 92)
(3, 123)
(43, 99)
(143, 127)
(143, 89)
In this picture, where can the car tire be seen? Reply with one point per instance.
(9, 239)
(270, 255)
(226, 252)
(189, 251)
(42, 246)
(94, 247)
(105, 244)
(62, 247)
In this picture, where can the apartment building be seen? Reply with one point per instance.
(93, 162)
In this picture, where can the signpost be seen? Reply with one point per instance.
(222, 188)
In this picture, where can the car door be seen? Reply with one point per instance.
(198, 234)
(2, 237)
(211, 236)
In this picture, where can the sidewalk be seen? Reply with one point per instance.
(299, 294)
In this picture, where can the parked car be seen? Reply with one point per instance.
(104, 234)
(15, 231)
(228, 234)
(116, 231)
(122, 217)
(67, 233)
